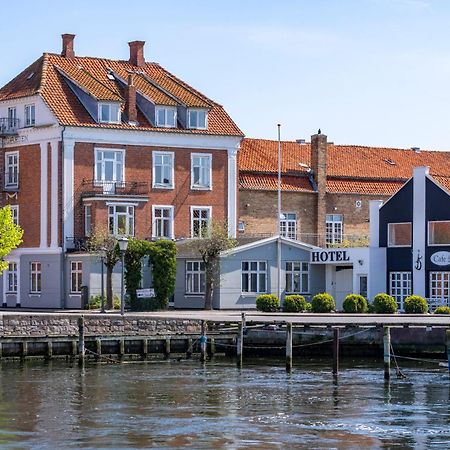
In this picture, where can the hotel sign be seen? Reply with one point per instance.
(327, 256)
(440, 258)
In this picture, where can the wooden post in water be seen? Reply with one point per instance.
(447, 336)
(336, 333)
(98, 348)
(212, 347)
(240, 344)
(49, 349)
(167, 348)
(289, 347)
(189, 348)
(387, 353)
(81, 348)
(203, 342)
(24, 349)
(144, 348)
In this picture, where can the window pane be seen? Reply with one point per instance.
(400, 234)
(439, 233)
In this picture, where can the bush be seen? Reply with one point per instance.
(384, 304)
(294, 303)
(267, 303)
(442, 310)
(355, 303)
(146, 304)
(308, 307)
(323, 303)
(415, 304)
(95, 302)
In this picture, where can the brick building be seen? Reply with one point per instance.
(92, 143)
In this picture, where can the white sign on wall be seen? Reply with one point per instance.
(440, 258)
(145, 293)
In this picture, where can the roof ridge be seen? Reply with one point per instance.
(99, 58)
(43, 72)
(157, 86)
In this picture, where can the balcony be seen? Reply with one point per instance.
(8, 126)
(91, 188)
(10, 182)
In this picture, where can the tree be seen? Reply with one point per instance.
(210, 247)
(10, 235)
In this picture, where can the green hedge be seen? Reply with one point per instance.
(414, 304)
(267, 303)
(384, 304)
(323, 303)
(95, 302)
(146, 304)
(442, 310)
(355, 303)
(295, 303)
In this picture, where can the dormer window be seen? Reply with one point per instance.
(30, 115)
(197, 119)
(166, 116)
(109, 113)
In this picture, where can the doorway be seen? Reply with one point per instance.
(344, 284)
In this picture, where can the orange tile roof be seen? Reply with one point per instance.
(366, 187)
(92, 75)
(270, 182)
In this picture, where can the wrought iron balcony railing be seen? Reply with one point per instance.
(8, 126)
(94, 187)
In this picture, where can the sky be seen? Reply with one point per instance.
(366, 72)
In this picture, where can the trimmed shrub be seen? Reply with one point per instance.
(355, 303)
(146, 304)
(95, 302)
(294, 303)
(415, 304)
(442, 310)
(267, 303)
(323, 303)
(308, 307)
(384, 304)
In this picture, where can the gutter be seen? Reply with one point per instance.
(63, 244)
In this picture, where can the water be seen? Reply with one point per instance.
(174, 404)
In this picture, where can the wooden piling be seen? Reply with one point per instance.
(240, 344)
(447, 338)
(98, 348)
(121, 348)
(212, 347)
(49, 349)
(81, 347)
(24, 349)
(145, 348)
(74, 348)
(167, 348)
(1, 350)
(189, 348)
(203, 342)
(387, 353)
(336, 333)
(289, 347)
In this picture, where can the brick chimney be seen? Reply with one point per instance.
(319, 166)
(130, 100)
(67, 45)
(137, 53)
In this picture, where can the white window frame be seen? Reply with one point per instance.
(12, 278)
(114, 215)
(389, 234)
(430, 222)
(170, 185)
(14, 165)
(171, 224)
(291, 273)
(204, 156)
(208, 209)
(336, 233)
(258, 271)
(166, 109)
(30, 115)
(286, 225)
(196, 111)
(117, 119)
(100, 178)
(15, 213)
(35, 277)
(195, 276)
(76, 273)
(443, 278)
(398, 290)
(87, 223)
(12, 117)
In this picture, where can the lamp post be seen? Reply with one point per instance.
(123, 244)
(102, 262)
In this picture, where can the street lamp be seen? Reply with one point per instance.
(123, 244)
(102, 252)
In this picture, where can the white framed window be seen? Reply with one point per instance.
(11, 169)
(297, 277)
(12, 117)
(201, 171)
(76, 276)
(15, 213)
(35, 278)
(439, 232)
(166, 116)
(109, 112)
(162, 222)
(12, 278)
(333, 228)
(440, 288)
(30, 115)
(362, 285)
(163, 170)
(109, 166)
(87, 220)
(200, 217)
(121, 219)
(400, 287)
(254, 276)
(400, 234)
(288, 225)
(195, 277)
(198, 119)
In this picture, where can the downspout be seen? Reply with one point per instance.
(63, 247)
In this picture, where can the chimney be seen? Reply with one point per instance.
(137, 53)
(130, 101)
(67, 45)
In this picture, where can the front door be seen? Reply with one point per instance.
(344, 284)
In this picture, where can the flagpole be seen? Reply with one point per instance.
(279, 216)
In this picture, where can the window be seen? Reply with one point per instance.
(12, 118)
(11, 169)
(35, 278)
(87, 220)
(254, 276)
(440, 287)
(121, 220)
(108, 112)
(195, 277)
(76, 276)
(297, 277)
(30, 115)
(15, 214)
(362, 285)
(163, 221)
(399, 234)
(166, 116)
(439, 233)
(12, 278)
(163, 170)
(198, 119)
(333, 229)
(200, 171)
(109, 167)
(288, 225)
(400, 286)
(199, 221)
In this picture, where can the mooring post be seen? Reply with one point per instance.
(81, 348)
(289, 347)
(144, 348)
(98, 348)
(387, 353)
(167, 348)
(240, 343)
(49, 349)
(336, 332)
(447, 335)
(24, 349)
(121, 348)
(189, 348)
(203, 342)
(212, 347)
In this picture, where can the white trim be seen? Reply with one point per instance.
(189, 110)
(171, 208)
(202, 188)
(68, 206)
(114, 200)
(38, 274)
(44, 195)
(79, 274)
(428, 226)
(258, 273)
(34, 251)
(105, 149)
(166, 108)
(54, 194)
(163, 186)
(16, 209)
(389, 235)
(191, 209)
(300, 272)
(232, 192)
(118, 118)
(374, 222)
(115, 231)
(193, 272)
(13, 185)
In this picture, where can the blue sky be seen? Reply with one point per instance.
(367, 72)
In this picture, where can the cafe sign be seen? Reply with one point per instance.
(441, 258)
(327, 256)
